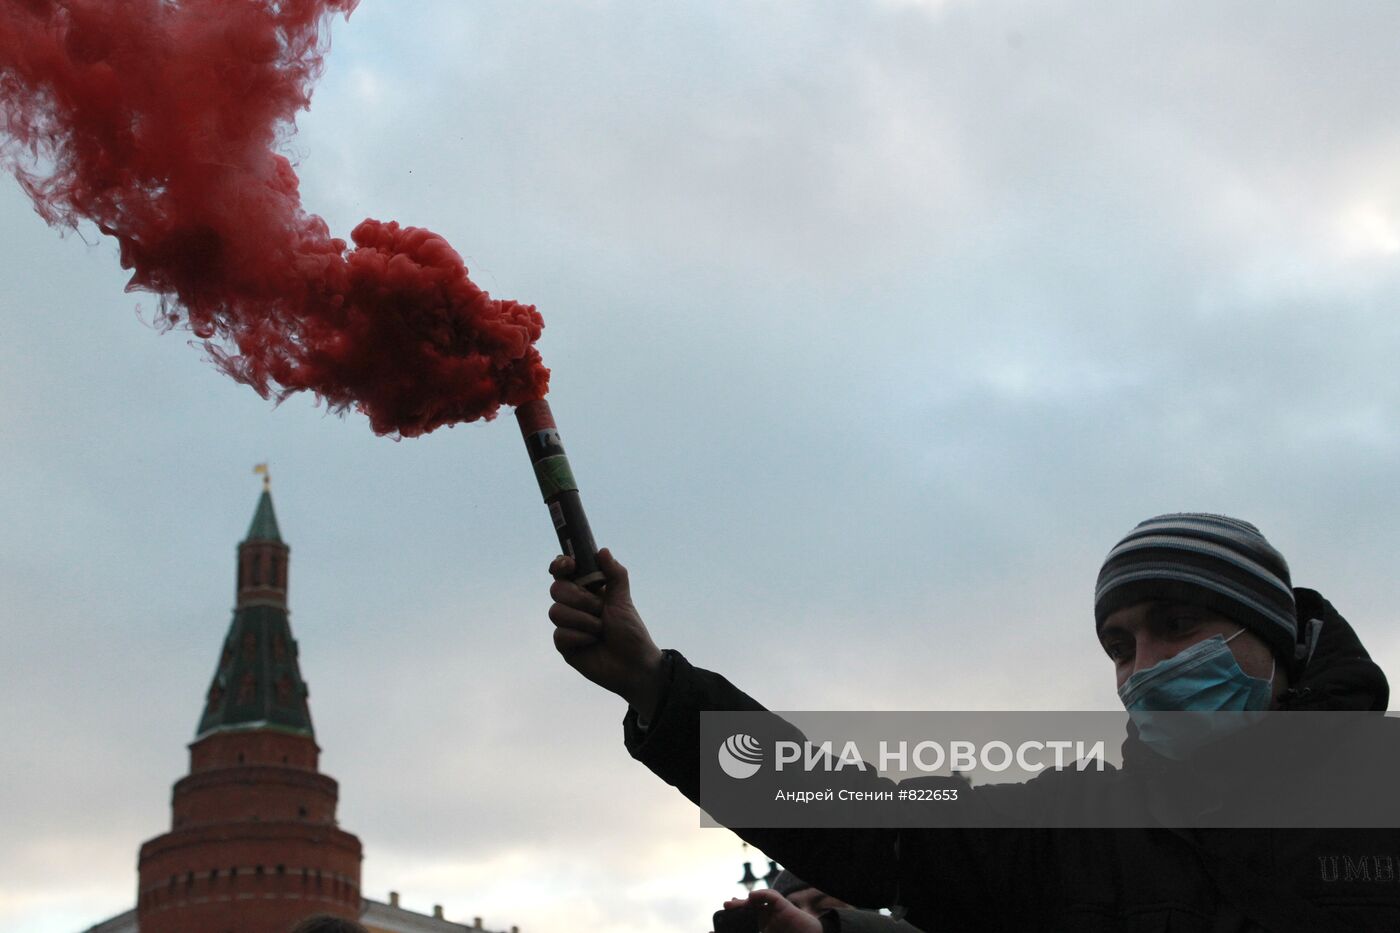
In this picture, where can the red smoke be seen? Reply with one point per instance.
(157, 120)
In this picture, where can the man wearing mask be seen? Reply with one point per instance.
(1196, 612)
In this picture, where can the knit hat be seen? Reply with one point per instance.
(1219, 563)
(787, 883)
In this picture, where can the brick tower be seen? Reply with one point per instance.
(253, 845)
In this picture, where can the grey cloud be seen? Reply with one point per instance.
(872, 326)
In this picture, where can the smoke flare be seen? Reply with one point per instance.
(158, 121)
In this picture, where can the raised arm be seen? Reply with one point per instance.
(947, 878)
(604, 638)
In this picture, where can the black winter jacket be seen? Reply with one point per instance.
(1084, 880)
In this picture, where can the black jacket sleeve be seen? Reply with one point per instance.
(825, 858)
(938, 876)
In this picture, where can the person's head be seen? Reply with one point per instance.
(805, 897)
(325, 923)
(1178, 580)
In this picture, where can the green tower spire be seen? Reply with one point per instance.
(264, 526)
(257, 684)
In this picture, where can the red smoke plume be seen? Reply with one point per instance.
(157, 120)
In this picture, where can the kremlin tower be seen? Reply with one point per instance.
(253, 845)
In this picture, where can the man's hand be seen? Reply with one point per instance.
(602, 636)
(780, 915)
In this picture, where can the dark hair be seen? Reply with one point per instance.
(325, 923)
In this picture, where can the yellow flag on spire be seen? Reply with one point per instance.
(261, 469)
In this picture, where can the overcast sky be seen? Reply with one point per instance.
(873, 325)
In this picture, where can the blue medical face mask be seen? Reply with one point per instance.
(1204, 678)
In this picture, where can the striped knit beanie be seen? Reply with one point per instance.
(1219, 563)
